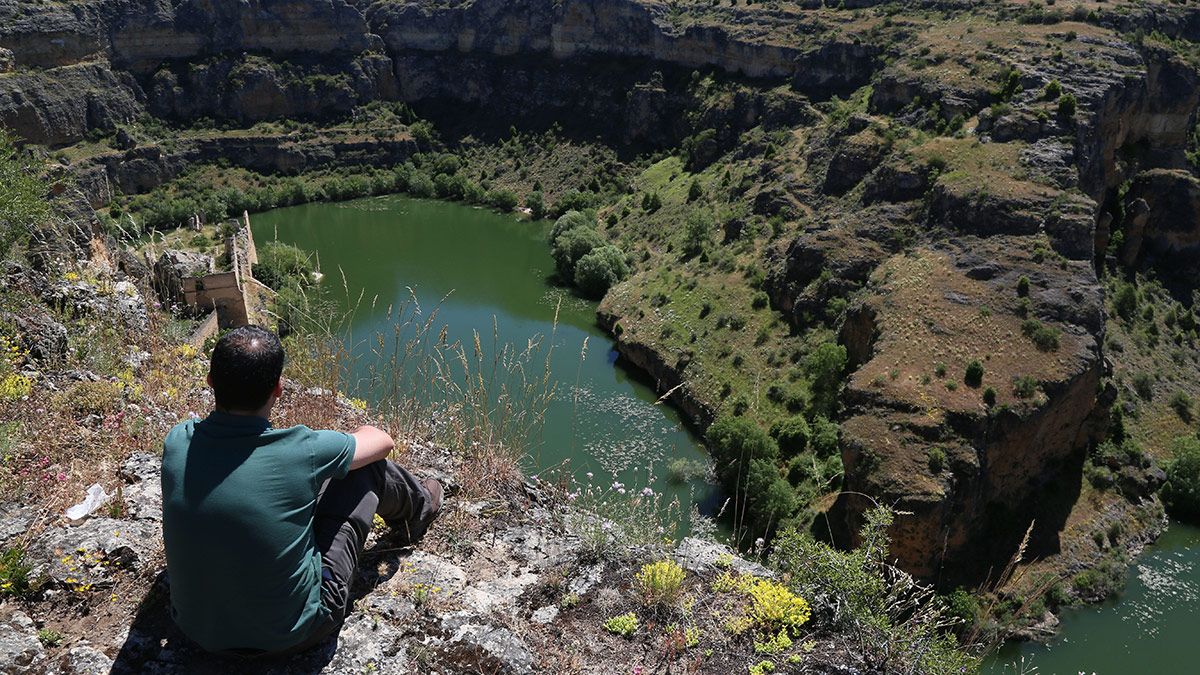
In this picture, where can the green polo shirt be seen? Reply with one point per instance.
(238, 502)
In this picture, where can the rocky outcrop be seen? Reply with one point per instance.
(1162, 227)
(668, 377)
(61, 105)
(908, 403)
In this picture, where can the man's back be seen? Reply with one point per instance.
(238, 502)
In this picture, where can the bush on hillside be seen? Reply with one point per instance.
(22, 196)
(1181, 492)
(735, 442)
(791, 434)
(824, 439)
(599, 270)
(824, 367)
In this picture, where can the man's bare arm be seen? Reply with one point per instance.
(371, 444)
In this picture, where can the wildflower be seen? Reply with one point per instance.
(62, 476)
(621, 490)
(647, 492)
(192, 414)
(534, 478)
(590, 474)
(606, 526)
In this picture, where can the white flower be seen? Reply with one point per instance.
(647, 492)
(590, 474)
(621, 490)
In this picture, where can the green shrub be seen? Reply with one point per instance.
(792, 434)
(824, 439)
(1067, 105)
(974, 374)
(659, 583)
(964, 606)
(937, 459)
(624, 625)
(501, 199)
(857, 594)
(1023, 286)
(1143, 384)
(599, 270)
(989, 397)
(1125, 301)
(695, 191)
(534, 201)
(1052, 91)
(14, 574)
(572, 245)
(569, 221)
(1025, 386)
(1181, 492)
(22, 194)
(282, 265)
(824, 367)
(697, 232)
(1181, 403)
(1045, 337)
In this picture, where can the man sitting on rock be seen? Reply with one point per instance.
(263, 527)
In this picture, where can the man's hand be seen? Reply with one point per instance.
(371, 444)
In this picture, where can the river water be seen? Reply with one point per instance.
(481, 269)
(1151, 628)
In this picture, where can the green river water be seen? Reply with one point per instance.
(604, 421)
(480, 269)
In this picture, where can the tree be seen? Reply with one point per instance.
(283, 266)
(695, 191)
(502, 199)
(599, 270)
(697, 232)
(536, 205)
(824, 366)
(791, 434)
(567, 222)
(1181, 492)
(974, 375)
(22, 195)
(572, 245)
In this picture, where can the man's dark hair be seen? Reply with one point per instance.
(246, 365)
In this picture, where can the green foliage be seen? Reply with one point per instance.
(1181, 492)
(825, 434)
(973, 377)
(775, 607)
(937, 459)
(572, 245)
(569, 221)
(1052, 91)
(1143, 384)
(1023, 286)
(14, 574)
(824, 367)
(695, 191)
(1125, 302)
(792, 434)
(989, 397)
(659, 583)
(745, 458)
(1025, 386)
(599, 270)
(1181, 402)
(283, 266)
(882, 613)
(1067, 105)
(50, 637)
(502, 200)
(624, 625)
(22, 195)
(697, 232)
(536, 205)
(963, 606)
(1046, 338)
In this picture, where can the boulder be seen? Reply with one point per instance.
(87, 555)
(173, 266)
(20, 650)
(44, 338)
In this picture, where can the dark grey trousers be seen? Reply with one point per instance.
(345, 511)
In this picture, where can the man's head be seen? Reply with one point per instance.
(245, 369)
